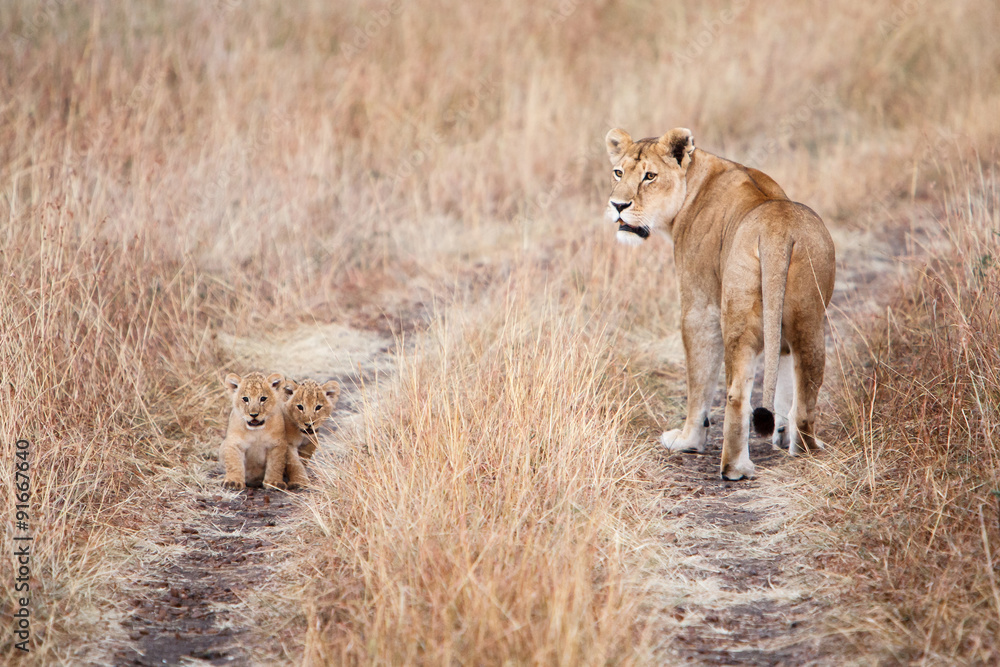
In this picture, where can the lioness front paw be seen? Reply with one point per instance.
(234, 484)
(673, 441)
(798, 446)
(739, 470)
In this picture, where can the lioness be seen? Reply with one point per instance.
(306, 406)
(254, 449)
(755, 271)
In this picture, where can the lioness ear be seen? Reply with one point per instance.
(332, 390)
(679, 144)
(618, 142)
(232, 382)
(275, 379)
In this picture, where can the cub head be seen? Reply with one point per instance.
(310, 404)
(650, 184)
(255, 397)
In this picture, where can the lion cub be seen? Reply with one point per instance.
(255, 448)
(306, 407)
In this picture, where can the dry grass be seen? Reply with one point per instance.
(918, 485)
(172, 172)
(495, 510)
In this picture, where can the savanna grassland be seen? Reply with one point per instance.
(178, 175)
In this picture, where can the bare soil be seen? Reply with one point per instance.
(191, 609)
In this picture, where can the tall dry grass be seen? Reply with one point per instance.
(497, 513)
(170, 171)
(918, 484)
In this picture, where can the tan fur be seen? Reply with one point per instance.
(253, 453)
(306, 407)
(756, 272)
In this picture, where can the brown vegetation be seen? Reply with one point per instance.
(170, 172)
(917, 482)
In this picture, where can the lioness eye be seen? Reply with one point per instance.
(246, 399)
(300, 407)
(617, 173)
(649, 176)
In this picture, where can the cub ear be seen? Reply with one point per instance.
(232, 382)
(290, 387)
(332, 390)
(618, 142)
(275, 379)
(679, 144)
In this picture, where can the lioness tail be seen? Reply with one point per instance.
(774, 258)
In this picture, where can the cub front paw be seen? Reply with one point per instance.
(278, 484)
(298, 482)
(233, 484)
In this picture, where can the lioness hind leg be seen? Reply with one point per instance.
(741, 361)
(702, 337)
(810, 359)
(784, 399)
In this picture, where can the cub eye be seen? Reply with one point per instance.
(263, 398)
(318, 408)
(300, 407)
(649, 176)
(617, 173)
(246, 399)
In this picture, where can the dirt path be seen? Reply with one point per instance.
(743, 588)
(199, 571)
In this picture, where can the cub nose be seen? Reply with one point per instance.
(621, 206)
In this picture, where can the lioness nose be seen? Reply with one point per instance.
(621, 206)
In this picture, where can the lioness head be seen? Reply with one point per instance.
(254, 396)
(650, 183)
(310, 404)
